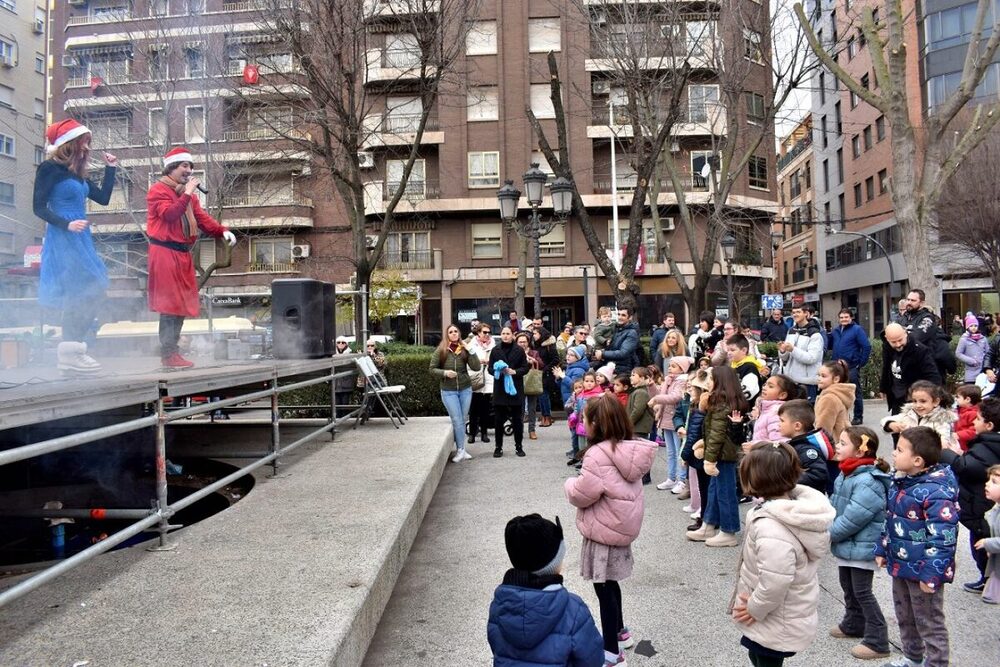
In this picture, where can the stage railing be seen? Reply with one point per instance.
(161, 511)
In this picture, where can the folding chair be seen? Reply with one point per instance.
(376, 388)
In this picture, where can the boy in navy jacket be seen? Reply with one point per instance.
(533, 619)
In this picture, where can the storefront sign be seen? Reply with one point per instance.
(227, 301)
(467, 315)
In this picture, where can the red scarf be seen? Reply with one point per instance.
(848, 466)
(456, 348)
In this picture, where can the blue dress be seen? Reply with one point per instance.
(71, 271)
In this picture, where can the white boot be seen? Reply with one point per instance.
(72, 357)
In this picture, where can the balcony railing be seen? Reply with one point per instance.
(246, 5)
(708, 113)
(254, 134)
(108, 17)
(415, 189)
(627, 183)
(116, 77)
(278, 199)
(272, 267)
(796, 150)
(406, 124)
(112, 207)
(407, 259)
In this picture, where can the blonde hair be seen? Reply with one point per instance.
(73, 155)
(603, 310)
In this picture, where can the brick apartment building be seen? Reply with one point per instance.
(150, 73)
(795, 257)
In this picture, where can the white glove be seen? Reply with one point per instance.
(229, 237)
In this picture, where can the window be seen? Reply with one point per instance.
(867, 134)
(861, 38)
(840, 166)
(40, 63)
(409, 249)
(195, 7)
(880, 128)
(159, 7)
(487, 239)
(822, 131)
(541, 101)
(157, 127)
(826, 212)
(875, 17)
(9, 4)
(402, 51)
(270, 253)
(538, 157)
(857, 195)
(757, 172)
(951, 27)
(854, 99)
(481, 40)
(8, 53)
(840, 204)
(700, 38)
(865, 81)
(553, 243)
(837, 119)
(826, 175)
(194, 124)
(755, 109)
(39, 155)
(403, 115)
(194, 62)
(809, 176)
(206, 253)
(110, 129)
(6, 193)
(883, 181)
(483, 103)
(856, 145)
(484, 169)
(7, 145)
(795, 184)
(416, 184)
(852, 47)
(703, 103)
(698, 161)
(870, 188)
(38, 107)
(753, 49)
(157, 62)
(822, 87)
(543, 35)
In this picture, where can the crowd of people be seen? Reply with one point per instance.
(784, 434)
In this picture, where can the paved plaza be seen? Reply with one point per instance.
(676, 599)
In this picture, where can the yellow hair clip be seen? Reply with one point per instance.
(864, 443)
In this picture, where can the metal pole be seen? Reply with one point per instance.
(275, 430)
(364, 316)
(161, 472)
(536, 236)
(74, 440)
(586, 296)
(98, 513)
(729, 289)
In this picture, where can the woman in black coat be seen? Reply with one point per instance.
(544, 344)
(508, 406)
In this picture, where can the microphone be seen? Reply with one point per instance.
(202, 189)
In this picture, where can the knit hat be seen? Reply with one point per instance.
(608, 371)
(684, 363)
(535, 544)
(178, 154)
(64, 131)
(579, 350)
(342, 339)
(971, 320)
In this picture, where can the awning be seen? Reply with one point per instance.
(125, 48)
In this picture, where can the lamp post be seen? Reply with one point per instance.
(534, 228)
(728, 244)
(776, 239)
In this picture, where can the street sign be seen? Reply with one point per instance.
(772, 301)
(467, 315)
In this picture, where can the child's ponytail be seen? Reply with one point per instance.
(865, 441)
(838, 369)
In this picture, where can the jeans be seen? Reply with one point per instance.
(980, 556)
(854, 376)
(609, 598)
(545, 404)
(862, 614)
(922, 628)
(675, 470)
(479, 414)
(78, 321)
(170, 333)
(457, 402)
(723, 508)
(811, 392)
(574, 442)
(501, 413)
(531, 405)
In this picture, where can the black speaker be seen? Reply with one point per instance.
(329, 318)
(297, 315)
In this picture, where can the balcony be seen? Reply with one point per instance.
(705, 120)
(272, 267)
(376, 9)
(626, 183)
(796, 150)
(401, 130)
(618, 57)
(407, 259)
(122, 14)
(414, 190)
(260, 200)
(255, 134)
(114, 206)
(115, 77)
(394, 65)
(247, 6)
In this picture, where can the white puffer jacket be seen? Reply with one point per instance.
(785, 540)
(482, 351)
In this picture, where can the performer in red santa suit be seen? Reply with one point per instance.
(174, 217)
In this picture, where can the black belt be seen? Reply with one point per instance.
(173, 245)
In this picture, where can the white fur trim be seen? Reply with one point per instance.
(178, 157)
(70, 135)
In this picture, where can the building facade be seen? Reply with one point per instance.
(23, 26)
(796, 272)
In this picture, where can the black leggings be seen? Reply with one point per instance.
(479, 414)
(609, 596)
(501, 413)
(758, 660)
(703, 481)
(980, 556)
(170, 333)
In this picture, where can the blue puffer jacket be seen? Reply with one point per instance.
(851, 344)
(574, 372)
(695, 422)
(529, 627)
(860, 503)
(681, 412)
(921, 527)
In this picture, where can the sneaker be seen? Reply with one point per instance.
(687, 508)
(723, 539)
(519, 451)
(625, 639)
(707, 531)
(175, 360)
(989, 600)
(696, 514)
(685, 494)
(466, 455)
(497, 453)
(857, 421)
(617, 662)
(975, 586)
(570, 454)
(862, 652)
(678, 487)
(666, 484)
(903, 661)
(458, 456)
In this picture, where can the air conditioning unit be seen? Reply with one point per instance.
(668, 224)
(300, 251)
(366, 160)
(600, 87)
(7, 61)
(39, 26)
(599, 18)
(70, 61)
(371, 240)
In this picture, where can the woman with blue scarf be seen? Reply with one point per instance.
(508, 364)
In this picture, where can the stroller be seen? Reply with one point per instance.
(508, 428)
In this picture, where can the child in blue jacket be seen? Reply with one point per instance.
(859, 496)
(918, 545)
(533, 619)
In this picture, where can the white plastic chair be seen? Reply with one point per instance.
(377, 388)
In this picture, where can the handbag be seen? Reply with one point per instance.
(478, 379)
(533, 383)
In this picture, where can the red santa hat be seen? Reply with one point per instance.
(178, 154)
(64, 131)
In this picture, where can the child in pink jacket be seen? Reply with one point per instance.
(609, 500)
(664, 403)
(777, 390)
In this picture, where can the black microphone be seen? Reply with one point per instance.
(202, 189)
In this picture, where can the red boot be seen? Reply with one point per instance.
(175, 360)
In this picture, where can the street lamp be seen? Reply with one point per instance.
(533, 229)
(728, 244)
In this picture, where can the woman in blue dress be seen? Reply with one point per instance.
(73, 278)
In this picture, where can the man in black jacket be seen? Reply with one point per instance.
(624, 346)
(775, 329)
(904, 361)
(925, 327)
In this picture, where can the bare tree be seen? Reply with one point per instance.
(924, 154)
(350, 57)
(969, 208)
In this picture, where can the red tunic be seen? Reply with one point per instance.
(173, 288)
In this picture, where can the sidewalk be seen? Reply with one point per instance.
(676, 599)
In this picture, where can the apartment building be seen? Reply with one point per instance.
(795, 256)
(22, 124)
(450, 240)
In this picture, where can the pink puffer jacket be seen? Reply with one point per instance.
(670, 395)
(766, 426)
(608, 492)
